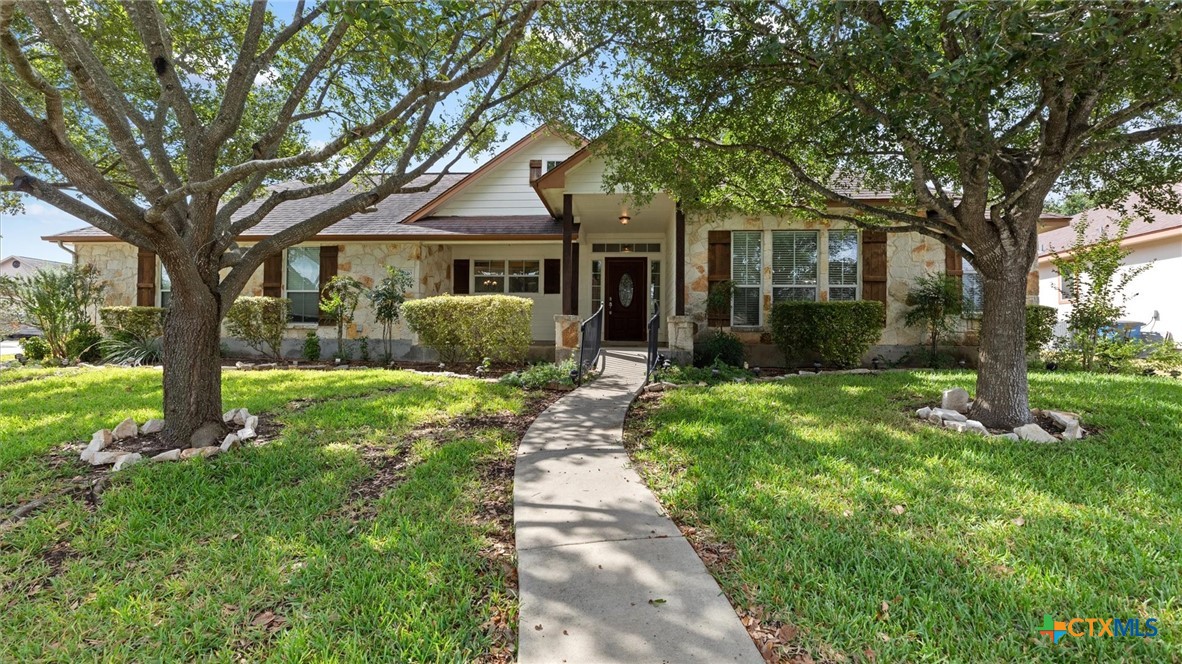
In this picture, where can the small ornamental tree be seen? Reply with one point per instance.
(260, 322)
(387, 297)
(1095, 280)
(57, 301)
(935, 303)
(338, 302)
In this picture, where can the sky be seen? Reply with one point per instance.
(20, 234)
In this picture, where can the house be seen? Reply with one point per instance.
(1153, 238)
(24, 266)
(535, 221)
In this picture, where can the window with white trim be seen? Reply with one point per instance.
(165, 289)
(794, 265)
(303, 284)
(747, 276)
(843, 264)
(525, 276)
(596, 284)
(1068, 285)
(506, 276)
(972, 291)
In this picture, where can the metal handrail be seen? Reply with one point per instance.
(590, 330)
(654, 328)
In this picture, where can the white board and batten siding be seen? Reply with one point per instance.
(505, 189)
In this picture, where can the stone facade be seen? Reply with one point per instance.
(117, 264)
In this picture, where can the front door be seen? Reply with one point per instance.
(626, 297)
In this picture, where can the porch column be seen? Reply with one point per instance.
(679, 263)
(568, 263)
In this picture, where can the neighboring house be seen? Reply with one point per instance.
(1153, 298)
(535, 221)
(24, 266)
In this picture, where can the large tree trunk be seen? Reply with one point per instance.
(1002, 391)
(192, 365)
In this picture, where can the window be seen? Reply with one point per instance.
(523, 276)
(507, 276)
(303, 283)
(746, 273)
(794, 265)
(843, 265)
(596, 284)
(972, 292)
(490, 276)
(1068, 284)
(551, 164)
(626, 247)
(654, 279)
(165, 288)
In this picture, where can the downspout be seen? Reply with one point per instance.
(62, 245)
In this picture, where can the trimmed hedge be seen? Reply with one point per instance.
(1040, 326)
(260, 322)
(472, 327)
(139, 322)
(840, 333)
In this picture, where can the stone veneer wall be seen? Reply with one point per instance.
(117, 264)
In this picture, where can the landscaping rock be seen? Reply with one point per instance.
(252, 423)
(654, 387)
(956, 399)
(125, 429)
(923, 413)
(228, 416)
(171, 455)
(1063, 419)
(246, 434)
(1034, 433)
(973, 426)
(1073, 432)
(934, 417)
(208, 435)
(240, 416)
(152, 426)
(959, 427)
(1008, 436)
(946, 414)
(105, 458)
(127, 460)
(231, 441)
(200, 452)
(98, 442)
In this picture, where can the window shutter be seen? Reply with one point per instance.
(273, 275)
(718, 269)
(145, 281)
(874, 266)
(461, 273)
(552, 276)
(328, 270)
(953, 262)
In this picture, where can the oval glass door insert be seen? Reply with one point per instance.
(626, 288)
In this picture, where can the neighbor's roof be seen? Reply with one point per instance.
(1101, 219)
(35, 263)
(387, 220)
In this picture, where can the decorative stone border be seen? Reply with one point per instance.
(204, 440)
(956, 403)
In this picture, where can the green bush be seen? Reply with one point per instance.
(133, 351)
(311, 350)
(1040, 327)
(540, 375)
(718, 372)
(472, 327)
(83, 343)
(124, 323)
(35, 349)
(839, 333)
(260, 322)
(721, 346)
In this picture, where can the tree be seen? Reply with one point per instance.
(171, 120)
(1071, 204)
(57, 301)
(1094, 278)
(935, 302)
(970, 113)
(338, 301)
(387, 297)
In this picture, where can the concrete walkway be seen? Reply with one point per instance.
(596, 553)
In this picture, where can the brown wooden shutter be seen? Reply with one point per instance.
(954, 266)
(718, 269)
(273, 275)
(535, 169)
(328, 270)
(874, 266)
(551, 276)
(461, 276)
(145, 280)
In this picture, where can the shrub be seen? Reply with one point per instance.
(83, 343)
(838, 332)
(260, 322)
(935, 304)
(540, 375)
(718, 372)
(387, 297)
(134, 351)
(56, 301)
(472, 327)
(718, 346)
(311, 350)
(35, 348)
(338, 302)
(364, 346)
(133, 322)
(1165, 357)
(1040, 327)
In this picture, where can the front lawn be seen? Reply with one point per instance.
(824, 504)
(372, 528)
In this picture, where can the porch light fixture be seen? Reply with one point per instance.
(624, 218)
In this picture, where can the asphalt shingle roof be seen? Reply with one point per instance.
(1106, 219)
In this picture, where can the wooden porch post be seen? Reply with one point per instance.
(679, 264)
(568, 264)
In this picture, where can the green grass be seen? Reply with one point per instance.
(801, 476)
(183, 561)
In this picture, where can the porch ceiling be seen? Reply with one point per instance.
(600, 213)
